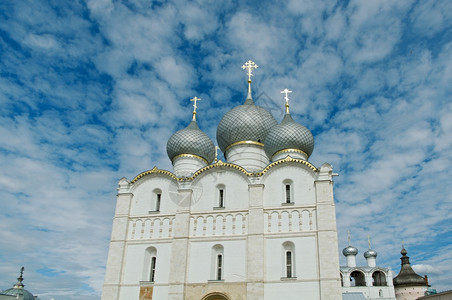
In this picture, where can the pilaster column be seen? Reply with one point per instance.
(330, 286)
(179, 248)
(115, 261)
(255, 243)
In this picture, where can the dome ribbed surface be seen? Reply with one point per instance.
(370, 253)
(288, 135)
(191, 140)
(247, 122)
(15, 291)
(350, 250)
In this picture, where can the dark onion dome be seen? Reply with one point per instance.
(191, 140)
(349, 250)
(247, 122)
(407, 276)
(370, 253)
(289, 135)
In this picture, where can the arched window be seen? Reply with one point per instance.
(152, 273)
(150, 261)
(342, 280)
(289, 263)
(217, 272)
(378, 278)
(156, 200)
(357, 279)
(219, 267)
(288, 260)
(221, 196)
(380, 293)
(288, 191)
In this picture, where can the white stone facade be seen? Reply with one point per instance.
(410, 292)
(376, 284)
(226, 233)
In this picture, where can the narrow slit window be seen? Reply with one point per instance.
(219, 266)
(288, 264)
(221, 198)
(152, 275)
(287, 193)
(157, 202)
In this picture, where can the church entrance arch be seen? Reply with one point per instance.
(215, 296)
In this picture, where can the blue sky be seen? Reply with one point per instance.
(90, 91)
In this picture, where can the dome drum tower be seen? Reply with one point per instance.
(248, 154)
(242, 131)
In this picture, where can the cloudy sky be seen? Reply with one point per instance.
(90, 91)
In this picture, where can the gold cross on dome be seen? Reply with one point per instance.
(286, 91)
(195, 99)
(249, 65)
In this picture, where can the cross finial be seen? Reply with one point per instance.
(286, 91)
(195, 99)
(348, 235)
(19, 284)
(368, 241)
(403, 246)
(249, 66)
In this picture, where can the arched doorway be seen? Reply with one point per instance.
(215, 296)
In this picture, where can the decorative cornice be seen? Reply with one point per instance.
(290, 150)
(244, 142)
(219, 163)
(190, 156)
(289, 159)
(155, 170)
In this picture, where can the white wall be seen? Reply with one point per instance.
(200, 260)
(235, 190)
(143, 199)
(292, 291)
(134, 263)
(305, 258)
(302, 185)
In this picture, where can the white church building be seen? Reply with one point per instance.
(259, 225)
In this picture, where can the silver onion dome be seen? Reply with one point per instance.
(350, 250)
(18, 289)
(247, 122)
(370, 253)
(25, 295)
(288, 135)
(191, 140)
